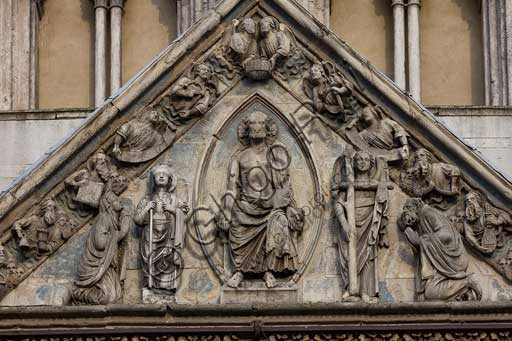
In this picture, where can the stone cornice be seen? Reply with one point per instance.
(155, 319)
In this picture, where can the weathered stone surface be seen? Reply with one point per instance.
(273, 175)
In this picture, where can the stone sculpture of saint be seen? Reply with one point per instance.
(239, 42)
(259, 209)
(381, 135)
(442, 262)
(361, 207)
(278, 45)
(192, 95)
(84, 187)
(436, 182)
(161, 247)
(142, 138)
(102, 266)
(484, 225)
(328, 91)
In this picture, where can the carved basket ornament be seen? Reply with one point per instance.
(258, 69)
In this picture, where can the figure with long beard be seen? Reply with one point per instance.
(101, 270)
(259, 211)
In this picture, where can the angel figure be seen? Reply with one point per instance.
(329, 91)
(278, 45)
(239, 41)
(193, 94)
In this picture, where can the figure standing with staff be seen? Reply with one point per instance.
(163, 218)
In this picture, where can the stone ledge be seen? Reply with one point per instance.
(423, 316)
(469, 110)
(45, 114)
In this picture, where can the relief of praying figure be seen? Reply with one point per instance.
(329, 91)
(361, 207)
(102, 267)
(442, 263)
(278, 45)
(192, 95)
(142, 138)
(435, 182)
(380, 135)
(259, 211)
(484, 225)
(162, 216)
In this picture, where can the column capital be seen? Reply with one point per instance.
(117, 3)
(100, 3)
(414, 2)
(397, 3)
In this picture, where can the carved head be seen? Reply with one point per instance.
(100, 163)
(248, 25)
(316, 73)
(410, 211)
(473, 206)
(363, 161)
(119, 183)
(12, 269)
(502, 262)
(162, 176)
(204, 71)
(407, 178)
(151, 116)
(62, 220)
(267, 25)
(257, 126)
(509, 257)
(48, 208)
(369, 114)
(422, 162)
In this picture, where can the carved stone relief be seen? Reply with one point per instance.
(360, 189)
(259, 212)
(143, 138)
(162, 216)
(102, 267)
(442, 263)
(265, 190)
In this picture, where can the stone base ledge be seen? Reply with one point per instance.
(255, 318)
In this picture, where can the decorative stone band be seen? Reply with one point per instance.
(400, 321)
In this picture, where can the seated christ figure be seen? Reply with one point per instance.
(259, 210)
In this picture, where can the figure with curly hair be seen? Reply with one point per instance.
(259, 209)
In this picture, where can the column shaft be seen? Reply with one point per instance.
(100, 46)
(399, 43)
(413, 30)
(116, 14)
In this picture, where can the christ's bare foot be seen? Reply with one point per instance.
(235, 280)
(270, 280)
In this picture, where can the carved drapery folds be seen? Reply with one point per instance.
(102, 266)
(162, 216)
(275, 215)
(442, 268)
(360, 191)
(259, 214)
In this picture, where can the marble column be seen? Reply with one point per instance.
(116, 14)
(497, 39)
(18, 53)
(100, 50)
(413, 39)
(399, 42)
